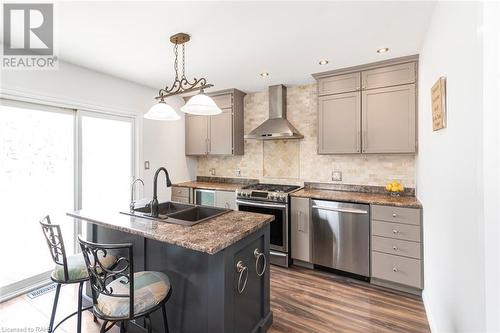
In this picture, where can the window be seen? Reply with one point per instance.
(52, 161)
(36, 177)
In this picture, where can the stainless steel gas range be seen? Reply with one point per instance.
(274, 200)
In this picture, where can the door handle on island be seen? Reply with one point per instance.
(257, 254)
(242, 269)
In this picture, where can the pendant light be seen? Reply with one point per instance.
(199, 104)
(162, 111)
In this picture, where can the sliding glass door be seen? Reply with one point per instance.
(107, 161)
(36, 179)
(52, 161)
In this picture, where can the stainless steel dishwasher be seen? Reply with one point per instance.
(341, 236)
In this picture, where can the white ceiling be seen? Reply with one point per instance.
(232, 42)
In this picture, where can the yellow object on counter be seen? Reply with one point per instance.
(394, 187)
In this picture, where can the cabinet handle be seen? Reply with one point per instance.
(257, 254)
(394, 231)
(395, 248)
(364, 141)
(243, 270)
(394, 215)
(394, 269)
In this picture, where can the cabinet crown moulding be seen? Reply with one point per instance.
(372, 65)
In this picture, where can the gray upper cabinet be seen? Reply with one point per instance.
(196, 135)
(389, 120)
(223, 101)
(220, 134)
(339, 84)
(339, 123)
(389, 76)
(369, 108)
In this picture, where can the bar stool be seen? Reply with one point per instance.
(68, 270)
(120, 294)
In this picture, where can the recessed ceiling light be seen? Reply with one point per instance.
(323, 62)
(383, 50)
(264, 74)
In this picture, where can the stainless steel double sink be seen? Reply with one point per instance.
(177, 213)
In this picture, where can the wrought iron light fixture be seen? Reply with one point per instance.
(199, 104)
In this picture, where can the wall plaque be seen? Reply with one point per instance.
(438, 96)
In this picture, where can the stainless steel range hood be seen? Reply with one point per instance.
(277, 126)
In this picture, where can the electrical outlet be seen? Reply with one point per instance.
(238, 173)
(146, 165)
(337, 176)
(212, 172)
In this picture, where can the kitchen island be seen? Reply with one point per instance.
(201, 262)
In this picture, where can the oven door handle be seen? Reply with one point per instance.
(241, 202)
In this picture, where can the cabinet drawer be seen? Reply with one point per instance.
(396, 247)
(223, 101)
(180, 191)
(396, 214)
(339, 84)
(388, 76)
(180, 199)
(397, 269)
(396, 230)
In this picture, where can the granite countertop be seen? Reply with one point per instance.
(210, 236)
(211, 185)
(359, 197)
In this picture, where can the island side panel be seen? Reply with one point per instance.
(248, 311)
(187, 271)
(105, 235)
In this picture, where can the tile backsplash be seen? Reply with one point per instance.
(297, 161)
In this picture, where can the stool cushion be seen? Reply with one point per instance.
(150, 288)
(77, 269)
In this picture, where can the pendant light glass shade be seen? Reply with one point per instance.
(201, 105)
(162, 111)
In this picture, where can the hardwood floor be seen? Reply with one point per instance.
(302, 301)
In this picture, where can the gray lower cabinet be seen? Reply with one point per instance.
(301, 233)
(339, 123)
(396, 248)
(220, 134)
(389, 119)
(181, 194)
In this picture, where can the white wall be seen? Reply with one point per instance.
(163, 144)
(491, 166)
(72, 86)
(450, 171)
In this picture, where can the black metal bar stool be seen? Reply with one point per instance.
(120, 294)
(68, 270)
